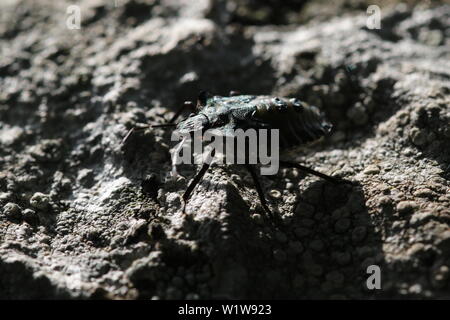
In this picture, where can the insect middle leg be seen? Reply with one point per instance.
(259, 189)
(193, 184)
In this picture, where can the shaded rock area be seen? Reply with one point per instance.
(83, 217)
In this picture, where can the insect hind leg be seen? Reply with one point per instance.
(331, 179)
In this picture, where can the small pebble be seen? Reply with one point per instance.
(275, 194)
(343, 258)
(85, 177)
(336, 278)
(371, 169)
(202, 277)
(235, 178)
(305, 210)
(398, 225)
(423, 193)
(358, 234)
(419, 218)
(342, 225)
(281, 237)
(296, 247)
(431, 37)
(299, 281)
(337, 214)
(418, 137)
(190, 279)
(406, 206)
(440, 276)
(258, 218)
(192, 296)
(384, 201)
(178, 282)
(317, 245)
(12, 210)
(173, 293)
(307, 222)
(358, 114)
(29, 213)
(415, 289)
(279, 255)
(301, 232)
(5, 196)
(355, 202)
(290, 186)
(40, 201)
(314, 269)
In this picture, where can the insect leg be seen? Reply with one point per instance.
(194, 183)
(289, 164)
(259, 189)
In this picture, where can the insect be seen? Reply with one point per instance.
(298, 124)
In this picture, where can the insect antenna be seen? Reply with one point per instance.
(171, 123)
(135, 129)
(164, 125)
(130, 132)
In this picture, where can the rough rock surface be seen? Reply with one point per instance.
(83, 217)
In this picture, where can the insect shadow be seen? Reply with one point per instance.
(322, 252)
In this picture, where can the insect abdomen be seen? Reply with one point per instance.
(298, 122)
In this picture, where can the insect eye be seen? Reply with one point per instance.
(327, 127)
(298, 105)
(203, 98)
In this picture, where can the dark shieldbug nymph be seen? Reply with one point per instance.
(298, 124)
